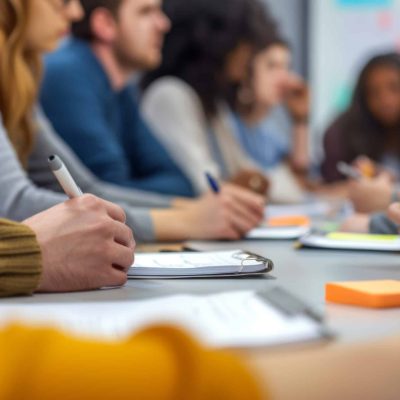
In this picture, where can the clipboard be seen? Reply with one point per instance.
(178, 265)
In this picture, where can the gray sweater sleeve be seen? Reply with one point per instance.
(380, 224)
(19, 197)
(25, 194)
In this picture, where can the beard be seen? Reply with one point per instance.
(130, 62)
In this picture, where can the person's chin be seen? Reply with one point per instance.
(50, 46)
(153, 62)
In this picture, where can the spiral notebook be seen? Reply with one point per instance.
(199, 264)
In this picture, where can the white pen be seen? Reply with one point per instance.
(348, 170)
(64, 178)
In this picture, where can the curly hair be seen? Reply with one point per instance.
(19, 76)
(204, 33)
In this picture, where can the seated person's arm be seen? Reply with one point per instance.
(20, 198)
(78, 245)
(173, 112)
(20, 259)
(371, 194)
(379, 223)
(160, 363)
(298, 104)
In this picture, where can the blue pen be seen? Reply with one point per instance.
(213, 183)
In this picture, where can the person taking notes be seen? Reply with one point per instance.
(27, 139)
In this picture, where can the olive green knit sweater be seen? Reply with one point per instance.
(20, 259)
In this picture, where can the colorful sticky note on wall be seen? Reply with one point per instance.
(364, 3)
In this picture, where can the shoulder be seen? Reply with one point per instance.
(171, 89)
(66, 56)
(338, 125)
(72, 62)
(3, 132)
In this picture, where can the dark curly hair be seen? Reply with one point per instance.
(204, 33)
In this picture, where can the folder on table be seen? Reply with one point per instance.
(351, 241)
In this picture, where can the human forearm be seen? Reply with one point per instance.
(300, 157)
(171, 225)
(20, 259)
(142, 223)
(368, 371)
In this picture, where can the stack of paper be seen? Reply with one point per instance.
(234, 319)
(282, 227)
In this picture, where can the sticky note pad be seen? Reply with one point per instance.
(293, 220)
(374, 294)
(361, 237)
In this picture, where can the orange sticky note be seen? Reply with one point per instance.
(374, 294)
(292, 220)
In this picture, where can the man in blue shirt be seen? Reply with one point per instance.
(89, 95)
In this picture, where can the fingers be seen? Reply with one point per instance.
(230, 233)
(246, 198)
(124, 235)
(240, 224)
(357, 223)
(121, 257)
(394, 212)
(115, 212)
(116, 278)
(89, 202)
(246, 214)
(236, 218)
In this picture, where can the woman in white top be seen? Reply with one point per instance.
(206, 55)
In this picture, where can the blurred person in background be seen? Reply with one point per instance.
(370, 126)
(206, 57)
(368, 136)
(27, 139)
(271, 111)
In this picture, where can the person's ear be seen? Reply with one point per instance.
(103, 25)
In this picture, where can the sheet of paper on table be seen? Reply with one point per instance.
(231, 319)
